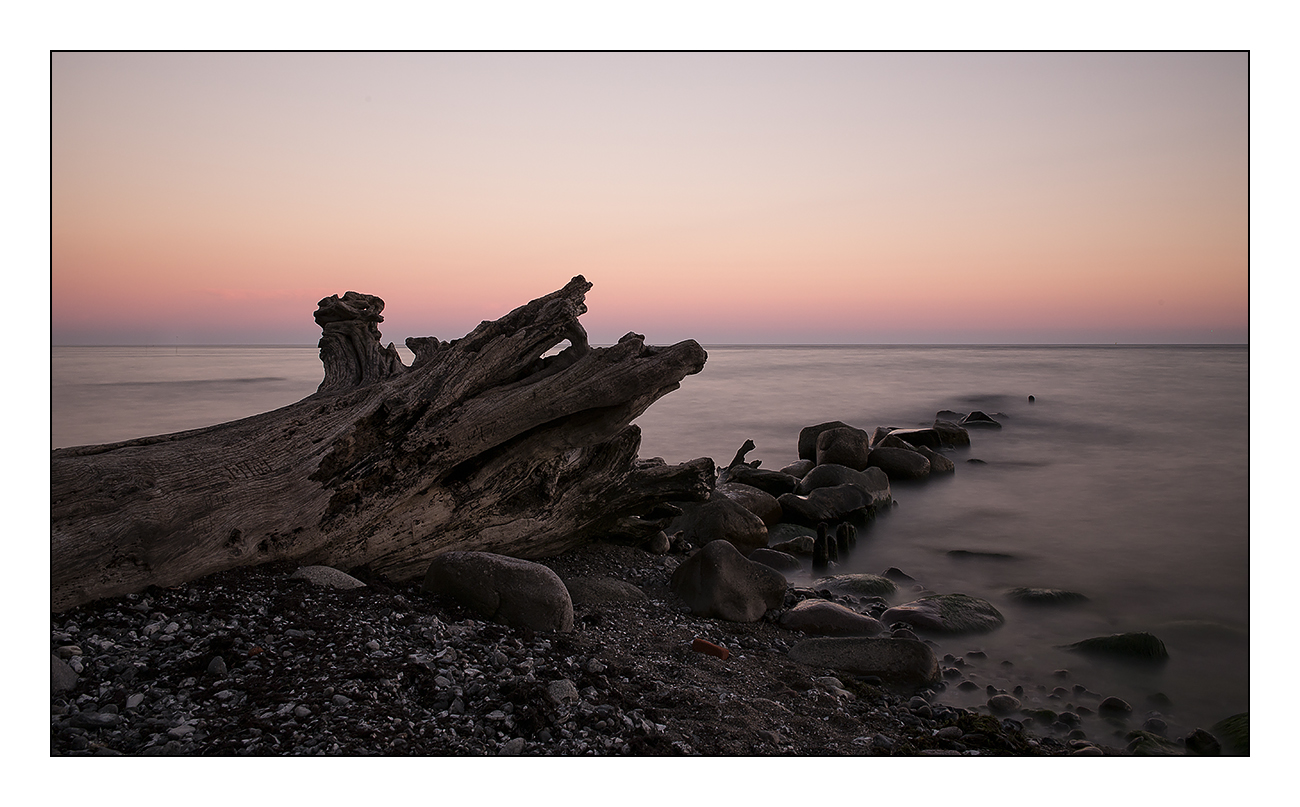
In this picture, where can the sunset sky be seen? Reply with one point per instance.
(729, 198)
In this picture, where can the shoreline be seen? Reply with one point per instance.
(251, 662)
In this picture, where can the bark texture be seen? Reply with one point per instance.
(482, 443)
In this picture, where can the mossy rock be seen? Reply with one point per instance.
(1131, 646)
(947, 613)
(1148, 744)
(857, 585)
(1045, 596)
(1234, 733)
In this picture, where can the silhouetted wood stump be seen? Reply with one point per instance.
(480, 444)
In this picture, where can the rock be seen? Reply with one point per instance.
(722, 519)
(844, 446)
(759, 502)
(899, 661)
(781, 561)
(899, 463)
(511, 591)
(825, 618)
(659, 543)
(773, 482)
(964, 554)
(717, 581)
(979, 420)
(826, 505)
(1003, 704)
(1202, 743)
(62, 678)
(873, 481)
(939, 464)
(601, 590)
(217, 667)
(1132, 646)
(1146, 744)
(892, 440)
(808, 438)
(1045, 596)
(950, 433)
(326, 576)
(562, 691)
(799, 468)
(898, 575)
(512, 748)
(799, 540)
(1234, 732)
(1115, 706)
(946, 613)
(94, 720)
(857, 585)
(919, 437)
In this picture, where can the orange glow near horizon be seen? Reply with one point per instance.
(729, 198)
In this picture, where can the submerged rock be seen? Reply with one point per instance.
(939, 464)
(899, 661)
(979, 420)
(947, 613)
(857, 585)
(1045, 596)
(1133, 646)
(950, 433)
(919, 437)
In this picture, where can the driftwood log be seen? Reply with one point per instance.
(482, 443)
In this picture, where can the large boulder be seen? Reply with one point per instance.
(1234, 733)
(825, 618)
(844, 446)
(808, 438)
(950, 433)
(872, 481)
(895, 661)
(759, 502)
(507, 590)
(939, 464)
(1139, 646)
(773, 482)
(722, 519)
(857, 585)
(717, 581)
(826, 504)
(946, 613)
(899, 463)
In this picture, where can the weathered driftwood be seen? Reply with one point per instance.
(482, 443)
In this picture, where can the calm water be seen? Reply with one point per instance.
(1127, 480)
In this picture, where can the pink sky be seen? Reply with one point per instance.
(729, 198)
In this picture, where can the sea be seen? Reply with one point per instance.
(1125, 478)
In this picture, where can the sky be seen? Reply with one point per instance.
(813, 198)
